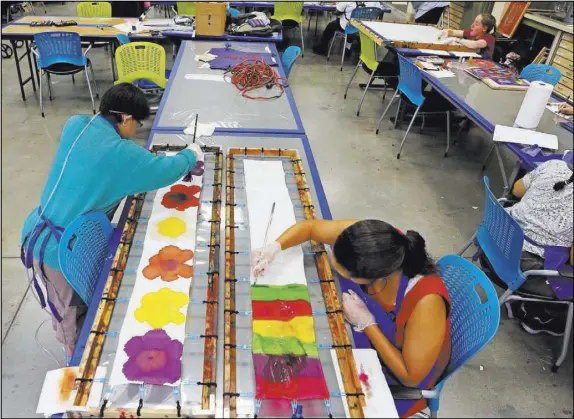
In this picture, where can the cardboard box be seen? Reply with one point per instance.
(210, 18)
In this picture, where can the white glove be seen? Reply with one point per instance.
(196, 150)
(443, 34)
(262, 257)
(356, 311)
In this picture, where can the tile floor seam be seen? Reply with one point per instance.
(9, 328)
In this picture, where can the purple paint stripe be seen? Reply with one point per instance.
(313, 369)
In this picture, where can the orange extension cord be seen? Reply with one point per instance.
(250, 75)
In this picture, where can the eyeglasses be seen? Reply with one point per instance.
(140, 124)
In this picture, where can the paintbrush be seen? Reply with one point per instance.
(195, 129)
(267, 232)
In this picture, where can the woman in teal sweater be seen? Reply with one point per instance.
(94, 168)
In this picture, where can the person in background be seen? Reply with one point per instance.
(478, 37)
(344, 10)
(545, 215)
(566, 109)
(95, 167)
(397, 299)
(428, 12)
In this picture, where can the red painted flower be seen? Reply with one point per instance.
(169, 263)
(181, 197)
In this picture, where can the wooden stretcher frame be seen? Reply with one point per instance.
(340, 338)
(404, 44)
(100, 325)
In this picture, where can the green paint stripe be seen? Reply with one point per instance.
(282, 346)
(285, 292)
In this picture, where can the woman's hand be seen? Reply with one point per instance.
(566, 109)
(196, 150)
(261, 258)
(356, 311)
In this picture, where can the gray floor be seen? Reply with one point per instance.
(441, 198)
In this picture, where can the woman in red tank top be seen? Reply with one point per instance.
(396, 302)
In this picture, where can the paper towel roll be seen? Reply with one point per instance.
(533, 105)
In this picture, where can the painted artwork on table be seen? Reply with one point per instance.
(285, 354)
(151, 338)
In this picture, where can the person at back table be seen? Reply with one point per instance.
(477, 37)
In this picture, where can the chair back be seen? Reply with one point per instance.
(288, 10)
(501, 239)
(186, 8)
(363, 13)
(141, 61)
(83, 251)
(541, 72)
(233, 12)
(410, 81)
(475, 312)
(368, 55)
(94, 9)
(59, 47)
(289, 57)
(123, 39)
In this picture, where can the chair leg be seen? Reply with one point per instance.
(487, 159)
(331, 46)
(365, 92)
(385, 112)
(407, 133)
(344, 50)
(566, 339)
(41, 102)
(398, 111)
(422, 123)
(302, 40)
(467, 245)
(385, 91)
(90, 89)
(95, 83)
(73, 79)
(49, 85)
(447, 133)
(351, 79)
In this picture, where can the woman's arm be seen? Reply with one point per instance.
(321, 231)
(469, 43)
(455, 33)
(424, 336)
(519, 189)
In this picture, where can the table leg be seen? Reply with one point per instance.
(29, 53)
(316, 22)
(502, 170)
(13, 42)
(113, 53)
(514, 173)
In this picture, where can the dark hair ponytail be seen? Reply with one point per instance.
(373, 249)
(416, 261)
(558, 186)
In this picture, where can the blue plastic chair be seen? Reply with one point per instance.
(83, 251)
(357, 13)
(500, 239)
(61, 53)
(410, 85)
(541, 72)
(289, 57)
(233, 12)
(475, 316)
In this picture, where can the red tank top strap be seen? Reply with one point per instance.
(430, 284)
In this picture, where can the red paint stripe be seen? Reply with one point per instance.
(301, 388)
(280, 310)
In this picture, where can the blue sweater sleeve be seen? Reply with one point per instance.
(149, 172)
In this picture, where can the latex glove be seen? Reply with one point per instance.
(196, 148)
(261, 258)
(356, 311)
(565, 109)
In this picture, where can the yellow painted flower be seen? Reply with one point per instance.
(161, 308)
(171, 227)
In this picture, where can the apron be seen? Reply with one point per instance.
(27, 256)
(387, 322)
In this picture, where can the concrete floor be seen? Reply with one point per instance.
(441, 198)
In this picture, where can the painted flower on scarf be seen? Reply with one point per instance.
(160, 308)
(169, 264)
(154, 358)
(197, 170)
(181, 197)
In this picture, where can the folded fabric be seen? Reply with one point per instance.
(227, 58)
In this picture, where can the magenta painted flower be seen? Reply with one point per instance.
(154, 358)
(197, 170)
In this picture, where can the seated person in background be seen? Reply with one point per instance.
(478, 36)
(344, 9)
(566, 109)
(428, 12)
(545, 215)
